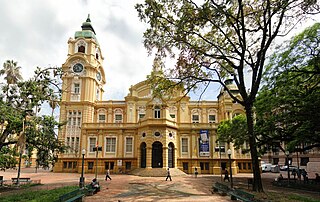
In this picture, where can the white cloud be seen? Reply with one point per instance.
(35, 33)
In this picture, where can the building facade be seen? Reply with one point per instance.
(140, 131)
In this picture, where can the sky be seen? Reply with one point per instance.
(35, 33)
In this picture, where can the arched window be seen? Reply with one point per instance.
(118, 117)
(195, 116)
(81, 49)
(81, 46)
(212, 116)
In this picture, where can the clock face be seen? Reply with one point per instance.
(77, 68)
(98, 76)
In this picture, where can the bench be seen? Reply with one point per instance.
(89, 190)
(75, 195)
(220, 188)
(242, 195)
(21, 179)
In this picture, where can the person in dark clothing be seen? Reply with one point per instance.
(196, 172)
(226, 176)
(168, 175)
(108, 175)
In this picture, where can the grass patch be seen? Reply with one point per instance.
(285, 197)
(38, 195)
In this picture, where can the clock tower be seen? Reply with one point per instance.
(82, 88)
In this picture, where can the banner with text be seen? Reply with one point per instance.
(204, 149)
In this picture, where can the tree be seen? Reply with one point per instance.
(287, 106)
(11, 70)
(234, 131)
(218, 39)
(20, 126)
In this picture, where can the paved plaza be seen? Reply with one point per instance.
(136, 188)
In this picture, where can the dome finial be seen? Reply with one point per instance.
(88, 18)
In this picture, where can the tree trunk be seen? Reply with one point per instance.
(257, 182)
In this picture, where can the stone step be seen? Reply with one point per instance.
(156, 172)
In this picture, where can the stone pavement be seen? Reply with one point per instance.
(129, 187)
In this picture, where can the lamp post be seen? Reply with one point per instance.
(229, 154)
(287, 155)
(81, 184)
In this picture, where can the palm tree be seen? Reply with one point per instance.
(11, 70)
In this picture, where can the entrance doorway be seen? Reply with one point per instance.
(157, 155)
(171, 155)
(143, 154)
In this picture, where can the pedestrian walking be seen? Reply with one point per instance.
(195, 172)
(226, 176)
(108, 175)
(168, 175)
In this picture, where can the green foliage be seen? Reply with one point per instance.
(213, 40)
(38, 195)
(20, 101)
(234, 131)
(8, 158)
(287, 106)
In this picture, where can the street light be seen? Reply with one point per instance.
(229, 154)
(81, 184)
(287, 155)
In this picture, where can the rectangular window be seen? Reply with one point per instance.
(249, 166)
(157, 112)
(108, 165)
(128, 165)
(65, 164)
(184, 145)
(239, 165)
(90, 165)
(118, 118)
(69, 164)
(195, 118)
(304, 161)
(102, 117)
(111, 144)
(77, 143)
(129, 144)
(185, 165)
(92, 143)
(74, 165)
(206, 166)
(212, 118)
(77, 88)
(244, 166)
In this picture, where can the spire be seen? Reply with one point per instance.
(87, 25)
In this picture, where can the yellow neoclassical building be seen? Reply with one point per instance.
(140, 131)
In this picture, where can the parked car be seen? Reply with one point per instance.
(266, 167)
(285, 168)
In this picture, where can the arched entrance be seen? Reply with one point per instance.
(143, 155)
(157, 155)
(171, 155)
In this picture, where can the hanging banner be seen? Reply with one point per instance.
(204, 143)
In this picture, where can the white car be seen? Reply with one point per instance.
(266, 167)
